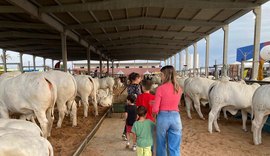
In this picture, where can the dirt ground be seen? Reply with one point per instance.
(196, 141)
(67, 139)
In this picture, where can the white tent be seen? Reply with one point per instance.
(120, 72)
(146, 73)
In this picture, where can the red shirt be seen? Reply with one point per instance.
(145, 100)
(166, 99)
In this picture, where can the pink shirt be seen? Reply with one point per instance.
(166, 99)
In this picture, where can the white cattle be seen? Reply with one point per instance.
(104, 98)
(260, 110)
(153, 88)
(66, 93)
(21, 125)
(156, 79)
(118, 83)
(87, 87)
(15, 142)
(181, 81)
(104, 83)
(196, 91)
(266, 79)
(232, 96)
(29, 93)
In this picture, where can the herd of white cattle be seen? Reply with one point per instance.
(33, 96)
(230, 96)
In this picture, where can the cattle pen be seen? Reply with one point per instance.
(37, 36)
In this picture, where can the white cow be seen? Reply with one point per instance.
(156, 79)
(118, 83)
(104, 83)
(196, 91)
(260, 110)
(86, 87)
(153, 88)
(104, 98)
(181, 81)
(66, 93)
(21, 125)
(15, 142)
(232, 96)
(29, 93)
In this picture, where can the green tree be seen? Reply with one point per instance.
(7, 57)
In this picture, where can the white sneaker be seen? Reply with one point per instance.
(134, 148)
(127, 145)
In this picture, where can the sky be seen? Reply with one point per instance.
(241, 33)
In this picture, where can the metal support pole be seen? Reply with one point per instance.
(52, 64)
(225, 49)
(207, 56)
(34, 62)
(21, 62)
(64, 50)
(195, 59)
(5, 59)
(174, 61)
(100, 65)
(108, 68)
(134, 66)
(88, 53)
(180, 61)
(112, 68)
(242, 70)
(187, 58)
(171, 61)
(44, 64)
(257, 35)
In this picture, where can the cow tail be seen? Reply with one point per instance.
(209, 92)
(94, 92)
(75, 93)
(53, 90)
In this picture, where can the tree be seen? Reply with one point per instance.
(7, 57)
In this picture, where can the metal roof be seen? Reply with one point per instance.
(117, 29)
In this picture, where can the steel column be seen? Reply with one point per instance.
(257, 35)
(21, 62)
(34, 62)
(207, 55)
(64, 50)
(5, 59)
(88, 53)
(225, 49)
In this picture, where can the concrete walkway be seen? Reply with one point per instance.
(108, 141)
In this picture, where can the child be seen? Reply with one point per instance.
(143, 133)
(134, 89)
(130, 116)
(146, 99)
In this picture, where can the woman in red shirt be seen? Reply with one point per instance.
(168, 125)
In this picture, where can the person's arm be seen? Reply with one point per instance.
(157, 101)
(125, 114)
(134, 138)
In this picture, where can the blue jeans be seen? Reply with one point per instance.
(169, 131)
